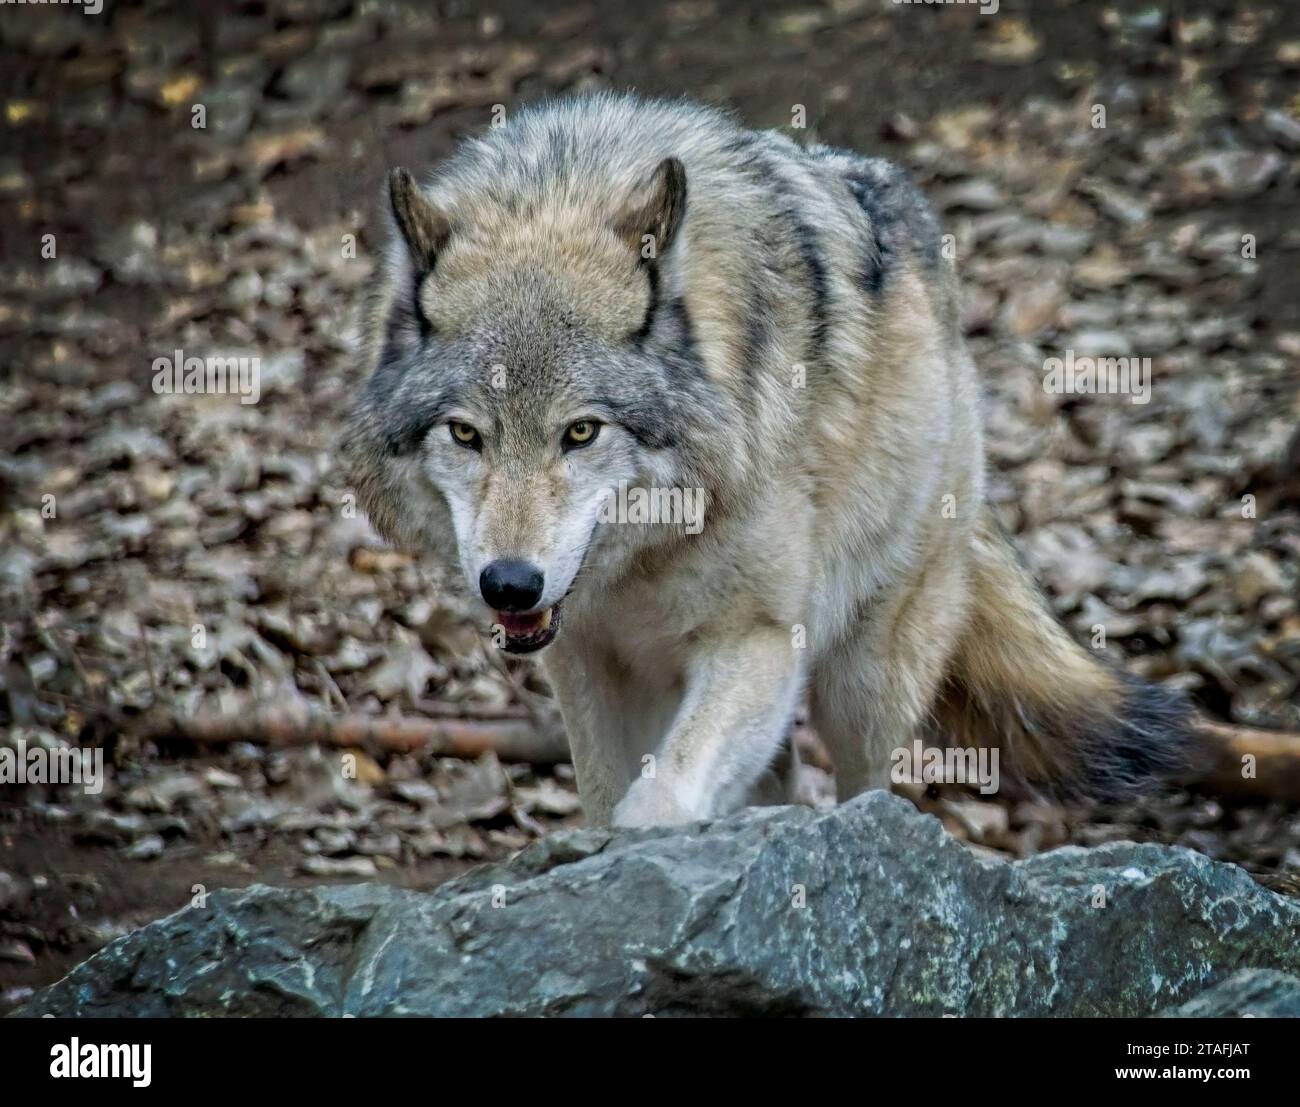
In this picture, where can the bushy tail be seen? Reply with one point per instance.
(1067, 724)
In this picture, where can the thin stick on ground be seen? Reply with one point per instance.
(1250, 763)
(510, 739)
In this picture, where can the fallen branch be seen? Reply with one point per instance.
(1250, 763)
(1242, 762)
(510, 739)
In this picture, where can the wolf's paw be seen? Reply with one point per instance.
(650, 803)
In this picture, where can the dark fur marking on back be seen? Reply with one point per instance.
(759, 333)
(806, 242)
(819, 309)
(901, 220)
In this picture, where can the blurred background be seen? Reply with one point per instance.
(204, 605)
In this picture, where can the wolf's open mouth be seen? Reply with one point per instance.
(529, 632)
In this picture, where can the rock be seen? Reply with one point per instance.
(1062, 241)
(404, 671)
(381, 844)
(978, 194)
(1102, 269)
(1251, 993)
(17, 951)
(266, 150)
(72, 277)
(1195, 30)
(1282, 128)
(978, 307)
(1096, 342)
(164, 791)
(1011, 43)
(901, 126)
(244, 290)
(110, 828)
(865, 909)
(113, 396)
(11, 997)
(1032, 307)
(1120, 205)
(283, 371)
(1257, 576)
(230, 110)
(1148, 21)
(220, 778)
(339, 866)
(14, 892)
(1234, 174)
(147, 848)
(332, 841)
(316, 79)
(130, 253)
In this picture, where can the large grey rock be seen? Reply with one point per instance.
(1250, 993)
(866, 909)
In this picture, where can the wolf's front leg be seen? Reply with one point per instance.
(587, 702)
(739, 699)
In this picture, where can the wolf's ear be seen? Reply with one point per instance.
(655, 210)
(425, 228)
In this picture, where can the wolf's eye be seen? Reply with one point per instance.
(582, 433)
(465, 435)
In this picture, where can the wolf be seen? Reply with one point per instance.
(611, 292)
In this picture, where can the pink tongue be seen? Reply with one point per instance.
(520, 624)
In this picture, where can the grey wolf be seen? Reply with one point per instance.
(610, 289)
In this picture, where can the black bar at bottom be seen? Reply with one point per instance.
(335, 1057)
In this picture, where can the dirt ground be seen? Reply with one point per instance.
(1168, 232)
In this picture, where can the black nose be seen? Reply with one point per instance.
(510, 585)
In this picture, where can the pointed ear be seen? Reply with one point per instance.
(424, 227)
(655, 210)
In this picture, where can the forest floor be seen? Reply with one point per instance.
(1167, 233)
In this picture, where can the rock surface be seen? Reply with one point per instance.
(866, 909)
(1250, 993)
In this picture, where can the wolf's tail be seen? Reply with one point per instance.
(1067, 725)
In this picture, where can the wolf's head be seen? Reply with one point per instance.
(528, 357)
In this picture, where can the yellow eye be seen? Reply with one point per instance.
(581, 433)
(465, 435)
